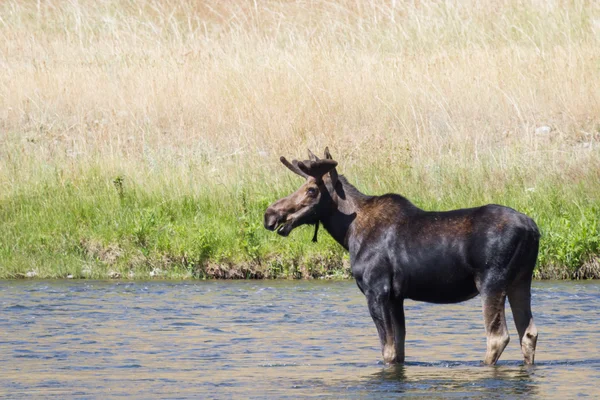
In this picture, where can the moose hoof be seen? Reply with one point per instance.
(389, 354)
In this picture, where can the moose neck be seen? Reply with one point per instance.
(345, 205)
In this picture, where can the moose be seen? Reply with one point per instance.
(399, 251)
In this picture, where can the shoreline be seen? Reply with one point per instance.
(264, 271)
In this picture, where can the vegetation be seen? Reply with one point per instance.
(141, 138)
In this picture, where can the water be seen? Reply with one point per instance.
(277, 340)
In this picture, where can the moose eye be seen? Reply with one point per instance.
(311, 191)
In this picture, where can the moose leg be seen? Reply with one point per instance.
(519, 297)
(399, 329)
(380, 309)
(495, 326)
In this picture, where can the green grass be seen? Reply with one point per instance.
(95, 225)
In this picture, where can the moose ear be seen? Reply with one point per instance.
(317, 169)
(311, 156)
(333, 173)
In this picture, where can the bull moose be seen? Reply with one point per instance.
(398, 251)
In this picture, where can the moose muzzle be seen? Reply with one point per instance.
(272, 219)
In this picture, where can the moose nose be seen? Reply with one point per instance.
(271, 219)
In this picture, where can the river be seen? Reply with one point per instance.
(278, 339)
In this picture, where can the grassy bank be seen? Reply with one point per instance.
(141, 139)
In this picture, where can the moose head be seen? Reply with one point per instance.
(310, 201)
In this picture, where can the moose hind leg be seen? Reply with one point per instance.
(519, 297)
(380, 310)
(495, 326)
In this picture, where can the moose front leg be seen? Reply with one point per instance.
(381, 311)
(399, 329)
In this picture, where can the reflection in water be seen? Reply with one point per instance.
(454, 378)
(277, 339)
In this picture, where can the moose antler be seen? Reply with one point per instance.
(317, 169)
(293, 166)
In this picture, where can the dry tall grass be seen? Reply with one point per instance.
(205, 86)
(202, 95)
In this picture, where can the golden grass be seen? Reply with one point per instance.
(419, 97)
(158, 84)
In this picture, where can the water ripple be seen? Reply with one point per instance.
(277, 340)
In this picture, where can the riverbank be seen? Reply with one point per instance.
(142, 139)
(92, 226)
